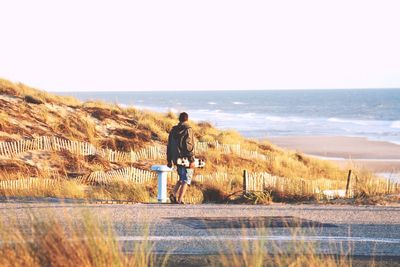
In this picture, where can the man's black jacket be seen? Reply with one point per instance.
(180, 143)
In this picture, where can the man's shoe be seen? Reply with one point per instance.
(172, 198)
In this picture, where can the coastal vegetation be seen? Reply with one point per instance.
(84, 241)
(64, 146)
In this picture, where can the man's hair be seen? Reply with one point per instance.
(183, 117)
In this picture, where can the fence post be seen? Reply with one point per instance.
(348, 183)
(245, 181)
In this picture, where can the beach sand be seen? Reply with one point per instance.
(376, 156)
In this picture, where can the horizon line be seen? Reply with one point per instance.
(221, 90)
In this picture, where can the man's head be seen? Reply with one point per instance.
(183, 117)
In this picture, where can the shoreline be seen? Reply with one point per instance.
(375, 156)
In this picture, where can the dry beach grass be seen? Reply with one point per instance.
(28, 114)
(52, 242)
(83, 241)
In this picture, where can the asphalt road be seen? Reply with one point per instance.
(213, 229)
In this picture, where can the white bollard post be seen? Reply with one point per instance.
(162, 171)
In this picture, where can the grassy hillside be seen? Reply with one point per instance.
(27, 113)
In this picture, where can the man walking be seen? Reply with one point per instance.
(181, 145)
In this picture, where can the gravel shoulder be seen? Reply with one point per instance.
(338, 214)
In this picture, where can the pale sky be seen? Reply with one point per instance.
(90, 45)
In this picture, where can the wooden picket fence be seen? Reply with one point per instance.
(153, 152)
(229, 148)
(53, 143)
(255, 182)
(128, 174)
(217, 177)
(264, 180)
(27, 184)
(379, 185)
(226, 148)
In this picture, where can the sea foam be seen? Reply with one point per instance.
(395, 125)
(339, 120)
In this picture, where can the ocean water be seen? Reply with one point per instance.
(371, 113)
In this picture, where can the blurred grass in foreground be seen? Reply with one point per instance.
(67, 241)
(83, 241)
